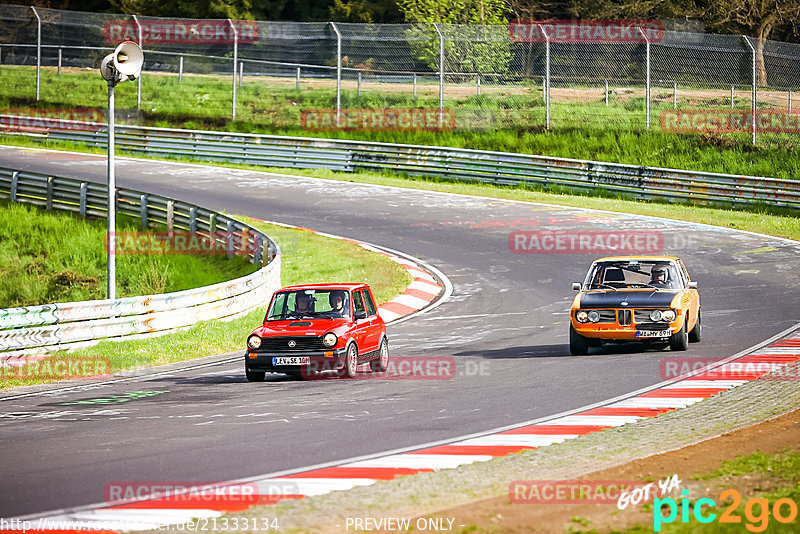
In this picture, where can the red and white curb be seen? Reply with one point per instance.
(425, 287)
(751, 364)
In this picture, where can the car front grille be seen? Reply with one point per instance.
(624, 317)
(301, 343)
(653, 326)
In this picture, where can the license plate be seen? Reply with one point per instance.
(653, 333)
(291, 360)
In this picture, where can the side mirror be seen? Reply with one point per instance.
(360, 315)
(692, 285)
(576, 286)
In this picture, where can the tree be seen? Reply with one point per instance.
(484, 46)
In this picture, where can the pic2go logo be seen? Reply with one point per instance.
(756, 511)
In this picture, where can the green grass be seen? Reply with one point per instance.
(307, 258)
(510, 120)
(60, 257)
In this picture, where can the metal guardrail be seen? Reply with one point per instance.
(501, 168)
(39, 329)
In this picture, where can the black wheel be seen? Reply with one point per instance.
(380, 365)
(578, 345)
(255, 376)
(680, 339)
(350, 368)
(696, 335)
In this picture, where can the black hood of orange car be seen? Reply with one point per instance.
(635, 299)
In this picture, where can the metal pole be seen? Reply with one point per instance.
(180, 69)
(139, 79)
(297, 83)
(731, 97)
(59, 61)
(441, 74)
(111, 272)
(235, 60)
(38, 51)
(755, 91)
(546, 76)
(606, 93)
(359, 83)
(338, 74)
(674, 95)
(415, 85)
(790, 100)
(478, 81)
(647, 88)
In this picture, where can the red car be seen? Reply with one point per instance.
(319, 327)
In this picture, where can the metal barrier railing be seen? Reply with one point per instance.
(50, 327)
(502, 168)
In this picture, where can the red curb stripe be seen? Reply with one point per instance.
(429, 282)
(419, 294)
(375, 473)
(770, 358)
(729, 375)
(639, 412)
(552, 430)
(219, 503)
(791, 342)
(491, 450)
(683, 392)
(396, 307)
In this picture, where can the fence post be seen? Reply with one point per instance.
(180, 69)
(59, 61)
(14, 185)
(143, 210)
(647, 86)
(338, 74)
(229, 239)
(82, 205)
(674, 95)
(606, 93)
(297, 83)
(731, 97)
(235, 60)
(790, 100)
(359, 83)
(546, 76)
(38, 51)
(139, 78)
(755, 90)
(478, 81)
(1, 55)
(241, 72)
(415, 85)
(441, 74)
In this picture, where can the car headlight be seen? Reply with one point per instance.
(655, 315)
(329, 339)
(594, 316)
(582, 316)
(254, 341)
(668, 315)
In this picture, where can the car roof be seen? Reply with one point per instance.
(639, 258)
(348, 286)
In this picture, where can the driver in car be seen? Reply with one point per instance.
(304, 305)
(336, 300)
(658, 276)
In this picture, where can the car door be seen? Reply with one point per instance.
(362, 324)
(375, 328)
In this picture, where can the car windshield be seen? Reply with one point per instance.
(310, 304)
(629, 274)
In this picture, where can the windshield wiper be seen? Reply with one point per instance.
(604, 285)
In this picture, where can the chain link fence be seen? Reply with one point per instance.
(476, 77)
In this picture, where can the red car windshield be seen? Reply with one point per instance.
(310, 304)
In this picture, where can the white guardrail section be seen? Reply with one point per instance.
(50, 327)
(558, 174)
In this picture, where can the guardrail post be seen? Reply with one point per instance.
(171, 217)
(297, 80)
(49, 203)
(59, 61)
(143, 210)
(755, 90)
(235, 60)
(606, 93)
(674, 95)
(229, 239)
(139, 78)
(193, 219)
(212, 222)
(441, 74)
(180, 69)
(84, 190)
(14, 185)
(338, 74)
(38, 51)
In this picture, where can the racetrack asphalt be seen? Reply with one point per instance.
(505, 325)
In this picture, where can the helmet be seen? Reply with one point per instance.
(658, 271)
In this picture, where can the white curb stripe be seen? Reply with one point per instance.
(524, 440)
(422, 461)
(655, 402)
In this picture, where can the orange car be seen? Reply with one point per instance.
(623, 298)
